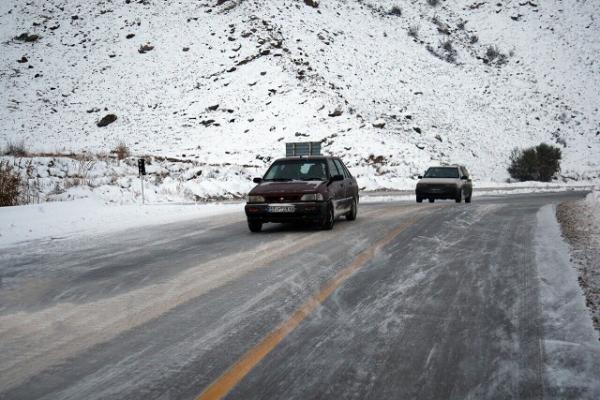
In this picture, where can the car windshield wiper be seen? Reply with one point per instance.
(279, 179)
(312, 178)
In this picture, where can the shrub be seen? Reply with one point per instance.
(121, 151)
(539, 163)
(433, 3)
(548, 161)
(450, 51)
(10, 185)
(447, 45)
(502, 59)
(83, 167)
(492, 52)
(30, 187)
(494, 56)
(16, 149)
(397, 11)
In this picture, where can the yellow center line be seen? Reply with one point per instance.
(230, 378)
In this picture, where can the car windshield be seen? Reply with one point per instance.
(305, 170)
(442, 172)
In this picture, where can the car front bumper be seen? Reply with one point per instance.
(449, 192)
(302, 212)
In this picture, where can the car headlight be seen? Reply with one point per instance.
(312, 197)
(256, 199)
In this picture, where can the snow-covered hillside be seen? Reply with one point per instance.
(227, 82)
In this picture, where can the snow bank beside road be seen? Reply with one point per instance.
(580, 223)
(493, 190)
(59, 220)
(593, 201)
(92, 215)
(572, 350)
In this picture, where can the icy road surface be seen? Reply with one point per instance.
(442, 301)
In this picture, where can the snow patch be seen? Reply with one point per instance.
(593, 202)
(60, 220)
(572, 349)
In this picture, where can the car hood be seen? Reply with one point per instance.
(266, 188)
(438, 181)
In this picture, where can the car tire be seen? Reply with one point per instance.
(351, 215)
(468, 199)
(255, 226)
(431, 200)
(328, 219)
(459, 196)
(419, 199)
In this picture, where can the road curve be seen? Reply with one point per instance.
(408, 301)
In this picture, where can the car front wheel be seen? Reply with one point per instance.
(328, 219)
(351, 216)
(459, 196)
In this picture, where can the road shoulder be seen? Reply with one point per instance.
(580, 225)
(571, 347)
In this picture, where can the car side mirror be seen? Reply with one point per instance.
(257, 180)
(420, 177)
(464, 178)
(336, 178)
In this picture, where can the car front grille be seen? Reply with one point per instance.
(286, 198)
(441, 186)
(438, 188)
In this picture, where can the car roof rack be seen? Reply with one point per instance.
(302, 149)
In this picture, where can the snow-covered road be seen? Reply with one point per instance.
(446, 301)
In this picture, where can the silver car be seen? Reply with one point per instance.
(446, 182)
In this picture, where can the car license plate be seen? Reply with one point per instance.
(282, 209)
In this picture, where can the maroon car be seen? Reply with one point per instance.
(315, 189)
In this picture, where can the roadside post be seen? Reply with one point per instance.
(142, 172)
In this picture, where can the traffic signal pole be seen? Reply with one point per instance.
(142, 181)
(142, 172)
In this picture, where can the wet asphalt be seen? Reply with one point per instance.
(448, 309)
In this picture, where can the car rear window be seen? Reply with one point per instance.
(442, 172)
(306, 170)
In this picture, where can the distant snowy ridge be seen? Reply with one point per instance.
(226, 85)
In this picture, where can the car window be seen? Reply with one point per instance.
(288, 170)
(442, 172)
(333, 170)
(340, 168)
(346, 170)
(465, 172)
